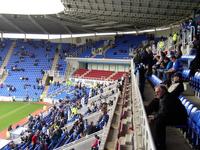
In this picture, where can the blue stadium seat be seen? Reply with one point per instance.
(185, 74)
(184, 101)
(189, 108)
(187, 104)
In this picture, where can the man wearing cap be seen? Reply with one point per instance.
(177, 87)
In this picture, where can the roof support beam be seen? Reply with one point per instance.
(62, 24)
(65, 24)
(37, 25)
(11, 24)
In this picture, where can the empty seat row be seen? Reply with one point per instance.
(195, 82)
(192, 129)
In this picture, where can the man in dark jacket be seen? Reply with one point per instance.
(195, 64)
(169, 111)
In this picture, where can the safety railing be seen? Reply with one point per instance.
(142, 134)
(187, 35)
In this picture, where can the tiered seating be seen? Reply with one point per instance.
(79, 72)
(117, 76)
(195, 82)
(193, 126)
(26, 68)
(62, 64)
(66, 92)
(88, 52)
(122, 45)
(69, 132)
(53, 87)
(83, 143)
(98, 74)
(68, 49)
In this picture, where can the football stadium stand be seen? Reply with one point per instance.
(105, 91)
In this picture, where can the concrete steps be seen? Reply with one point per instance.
(7, 58)
(5, 62)
(53, 68)
(85, 73)
(111, 76)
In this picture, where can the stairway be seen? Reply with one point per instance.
(111, 76)
(56, 58)
(68, 71)
(53, 68)
(5, 62)
(4, 76)
(82, 76)
(121, 131)
(10, 51)
(107, 48)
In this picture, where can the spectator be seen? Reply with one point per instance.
(103, 120)
(142, 78)
(176, 88)
(178, 52)
(10, 128)
(169, 111)
(149, 61)
(195, 46)
(195, 64)
(175, 67)
(164, 66)
(96, 143)
(91, 128)
(34, 139)
(175, 38)
(161, 45)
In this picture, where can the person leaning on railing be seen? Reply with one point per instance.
(165, 110)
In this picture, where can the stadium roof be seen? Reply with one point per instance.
(94, 16)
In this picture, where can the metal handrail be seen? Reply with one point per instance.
(142, 137)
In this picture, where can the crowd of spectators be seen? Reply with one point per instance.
(49, 130)
(166, 63)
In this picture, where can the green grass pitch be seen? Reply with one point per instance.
(13, 112)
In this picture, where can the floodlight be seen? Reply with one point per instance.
(31, 7)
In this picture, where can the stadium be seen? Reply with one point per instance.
(99, 75)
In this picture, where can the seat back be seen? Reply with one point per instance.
(196, 116)
(187, 104)
(184, 101)
(189, 109)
